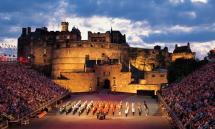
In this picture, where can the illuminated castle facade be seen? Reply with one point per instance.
(105, 60)
(183, 52)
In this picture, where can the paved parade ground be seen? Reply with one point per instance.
(56, 120)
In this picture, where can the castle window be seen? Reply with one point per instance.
(87, 57)
(74, 37)
(153, 75)
(67, 45)
(58, 46)
(44, 51)
(162, 75)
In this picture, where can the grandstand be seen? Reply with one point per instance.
(192, 99)
(25, 92)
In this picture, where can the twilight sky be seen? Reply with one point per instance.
(145, 22)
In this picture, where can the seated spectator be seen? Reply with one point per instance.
(24, 90)
(193, 99)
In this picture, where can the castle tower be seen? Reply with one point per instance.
(64, 26)
(176, 45)
(188, 44)
(24, 31)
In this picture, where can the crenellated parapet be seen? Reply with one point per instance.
(89, 44)
(76, 56)
(183, 52)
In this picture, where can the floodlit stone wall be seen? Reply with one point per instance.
(73, 58)
(156, 77)
(176, 56)
(78, 82)
(85, 82)
(132, 88)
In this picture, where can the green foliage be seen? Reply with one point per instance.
(211, 54)
(181, 68)
(161, 59)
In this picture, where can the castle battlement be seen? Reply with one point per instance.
(183, 52)
(87, 44)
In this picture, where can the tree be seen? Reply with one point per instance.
(160, 59)
(181, 68)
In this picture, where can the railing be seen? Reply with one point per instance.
(171, 113)
(8, 59)
(39, 109)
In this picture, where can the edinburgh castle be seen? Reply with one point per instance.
(105, 60)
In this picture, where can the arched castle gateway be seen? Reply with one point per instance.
(102, 61)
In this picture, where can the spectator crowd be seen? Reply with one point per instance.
(193, 98)
(23, 90)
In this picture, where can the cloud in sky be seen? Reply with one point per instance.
(175, 2)
(144, 22)
(200, 1)
(188, 14)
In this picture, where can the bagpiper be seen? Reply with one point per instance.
(132, 108)
(127, 109)
(139, 109)
(146, 108)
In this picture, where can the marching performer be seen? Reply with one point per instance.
(120, 108)
(132, 108)
(127, 109)
(146, 108)
(113, 108)
(89, 107)
(139, 109)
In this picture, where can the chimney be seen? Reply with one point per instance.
(28, 30)
(166, 49)
(23, 31)
(64, 26)
(188, 44)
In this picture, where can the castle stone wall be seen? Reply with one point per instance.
(155, 77)
(79, 82)
(113, 74)
(72, 59)
(132, 88)
(176, 56)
